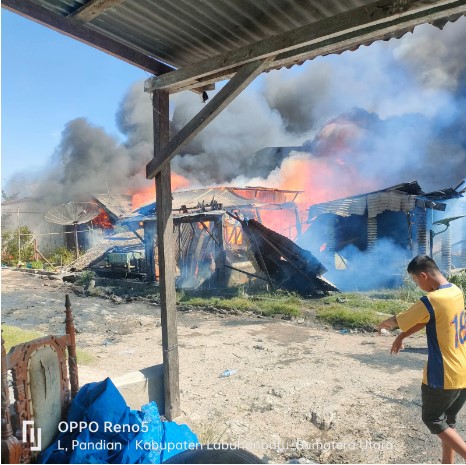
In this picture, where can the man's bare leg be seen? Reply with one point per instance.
(448, 454)
(452, 440)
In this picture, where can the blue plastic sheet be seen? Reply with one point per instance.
(106, 430)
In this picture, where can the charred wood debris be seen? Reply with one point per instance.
(283, 264)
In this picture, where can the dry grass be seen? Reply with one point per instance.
(14, 336)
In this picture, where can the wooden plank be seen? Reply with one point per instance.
(221, 100)
(220, 254)
(93, 8)
(149, 245)
(381, 16)
(78, 30)
(166, 249)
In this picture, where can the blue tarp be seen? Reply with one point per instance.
(103, 429)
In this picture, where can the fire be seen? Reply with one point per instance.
(331, 171)
(281, 221)
(102, 220)
(147, 195)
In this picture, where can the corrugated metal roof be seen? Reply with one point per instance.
(116, 205)
(401, 197)
(223, 197)
(183, 33)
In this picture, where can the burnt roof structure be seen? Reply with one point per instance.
(401, 197)
(117, 206)
(401, 216)
(217, 198)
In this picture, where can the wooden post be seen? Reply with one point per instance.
(72, 358)
(11, 447)
(219, 253)
(76, 242)
(149, 244)
(36, 254)
(166, 251)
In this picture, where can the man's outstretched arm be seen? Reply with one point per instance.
(389, 323)
(398, 342)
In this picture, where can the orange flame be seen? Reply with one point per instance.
(332, 174)
(102, 221)
(281, 221)
(147, 194)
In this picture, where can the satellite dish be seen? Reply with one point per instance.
(73, 213)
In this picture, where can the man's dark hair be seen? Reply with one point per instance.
(422, 263)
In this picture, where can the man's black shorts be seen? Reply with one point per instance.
(440, 407)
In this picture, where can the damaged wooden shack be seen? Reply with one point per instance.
(404, 216)
(222, 239)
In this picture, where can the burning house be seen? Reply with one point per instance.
(227, 235)
(366, 240)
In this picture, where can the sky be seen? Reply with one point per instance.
(49, 79)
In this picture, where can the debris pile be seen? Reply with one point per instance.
(282, 263)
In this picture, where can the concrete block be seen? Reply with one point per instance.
(140, 387)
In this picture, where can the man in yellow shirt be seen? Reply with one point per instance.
(442, 313)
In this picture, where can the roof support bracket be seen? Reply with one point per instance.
(220, 101)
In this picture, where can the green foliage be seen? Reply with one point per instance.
(85, 278)
(360, 309)
(84, 358)
(11, 252)
(409, 292)
(348, 317)
(287, 304)
(383, 303)
(459, 279)
(14, 336)
(61, 256)
(36, 265)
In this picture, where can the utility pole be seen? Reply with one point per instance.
(19, 239)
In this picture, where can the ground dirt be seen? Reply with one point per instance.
(302, 392)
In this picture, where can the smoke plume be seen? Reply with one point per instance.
(388, 113)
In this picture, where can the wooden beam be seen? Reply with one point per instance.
(166, 249)
(93, 8)
(149, 246)
(221, 100)
(369, 34)
(220, 254)
(78, 30)
(72, 356)
(381, 16)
